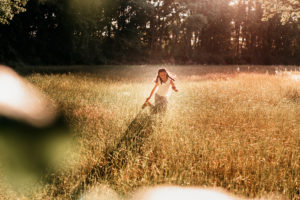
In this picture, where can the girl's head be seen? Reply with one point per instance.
(162, 76)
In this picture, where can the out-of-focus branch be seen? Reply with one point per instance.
(9, 8)
(287, 9)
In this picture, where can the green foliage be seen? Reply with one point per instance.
(288, 9)
(8, 8)
(144, 31)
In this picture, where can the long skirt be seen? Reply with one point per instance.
(161, 104)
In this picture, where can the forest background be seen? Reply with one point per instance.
(75, 32)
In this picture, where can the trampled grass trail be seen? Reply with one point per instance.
(238, 131)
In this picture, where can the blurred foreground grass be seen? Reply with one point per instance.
(238, 131)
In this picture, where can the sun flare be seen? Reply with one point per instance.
(233, 2)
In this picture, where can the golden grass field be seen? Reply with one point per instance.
(237, 129)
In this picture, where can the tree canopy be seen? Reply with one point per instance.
(288, 9)
(151, 31)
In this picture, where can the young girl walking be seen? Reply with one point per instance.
(163, 82)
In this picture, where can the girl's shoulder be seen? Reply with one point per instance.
(169, 80)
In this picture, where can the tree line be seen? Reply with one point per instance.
(68, 32)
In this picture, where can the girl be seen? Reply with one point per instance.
(163, 81)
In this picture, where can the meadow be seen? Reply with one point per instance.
(236, 128)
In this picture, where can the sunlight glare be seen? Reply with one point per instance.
(295, 77)
(233, 2)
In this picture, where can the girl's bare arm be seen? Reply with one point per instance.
(173, 86)
(153, 90)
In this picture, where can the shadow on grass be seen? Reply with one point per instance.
(118, 156)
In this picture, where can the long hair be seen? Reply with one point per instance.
(158, 77)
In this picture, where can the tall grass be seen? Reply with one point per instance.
(237, 131)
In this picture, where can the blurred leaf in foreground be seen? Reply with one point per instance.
(34, 138)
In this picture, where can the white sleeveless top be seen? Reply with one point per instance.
(164, 88)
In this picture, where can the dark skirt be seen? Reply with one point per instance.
(160, 104)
